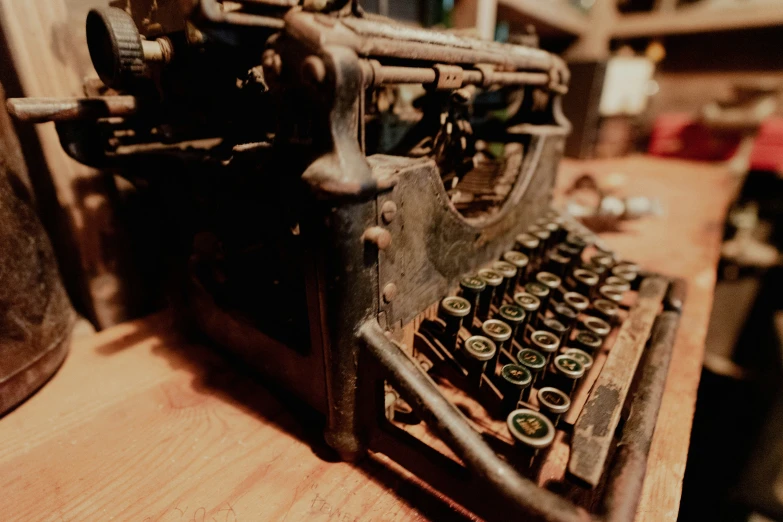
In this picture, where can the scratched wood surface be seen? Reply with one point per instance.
(140, 424)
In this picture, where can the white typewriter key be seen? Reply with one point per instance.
(553, 403)
(606, 310)
(545, 342)
(509, 273)
(583, 281)
(452, 310)
(530, 304)
(521, 262)
(596, 325)
(471, 288)
(500, 333)
(476, 352)
(492, 280)
(610, 293)
(576, 301)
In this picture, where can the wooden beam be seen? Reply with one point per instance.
(697, 19)
(548, 16)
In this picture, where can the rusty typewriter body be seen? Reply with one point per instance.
(332, 211)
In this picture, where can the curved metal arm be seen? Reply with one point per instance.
(422, 394)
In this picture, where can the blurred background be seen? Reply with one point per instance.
(699, 80)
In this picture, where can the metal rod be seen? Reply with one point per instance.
(428, 403)
(39, 110)
(391, 74)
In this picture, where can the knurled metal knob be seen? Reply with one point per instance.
(115, 47)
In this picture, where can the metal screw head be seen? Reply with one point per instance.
(388, 211)
(379, 236)
(389, 292)
(313, 70)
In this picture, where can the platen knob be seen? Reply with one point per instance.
(115, 47)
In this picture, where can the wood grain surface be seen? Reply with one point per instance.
(141, 425)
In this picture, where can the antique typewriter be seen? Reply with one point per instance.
(364, 216)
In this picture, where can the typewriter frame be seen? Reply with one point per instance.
(382, 219)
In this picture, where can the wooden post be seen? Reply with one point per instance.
(481, 14)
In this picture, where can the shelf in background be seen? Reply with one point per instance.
(550, 17)
(698, 19)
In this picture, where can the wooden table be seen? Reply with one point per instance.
(141, 425)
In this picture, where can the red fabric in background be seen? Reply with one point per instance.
(679, 135)
(768, 147)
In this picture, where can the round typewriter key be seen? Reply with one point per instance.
(604, 260)
(606, 310)
(514, 316)
(535, 362)
(610, 293)
(471, 288)
(452, 310)
(477, 352)
(583, 281)
(554, 232)
(576, 242)
(509, 273)
(492, 280)
(566, 371)
(618, 282)
(588, 341)
(531, 432)
(567, 316)
(598, 270)
(543, 237)
(626, 273)
(549, 280)
(520, 261)
(500, 333)
(553, 403)
(602, 249)
(555, 227)
(545, 342)
(514, 380)
(558, 264)
(555, 327)
(628, 265)
(597, 326)
(569, 251)
(580, 355)
(541, 291)
(530, 304)
(527, 244)
(576, 301)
